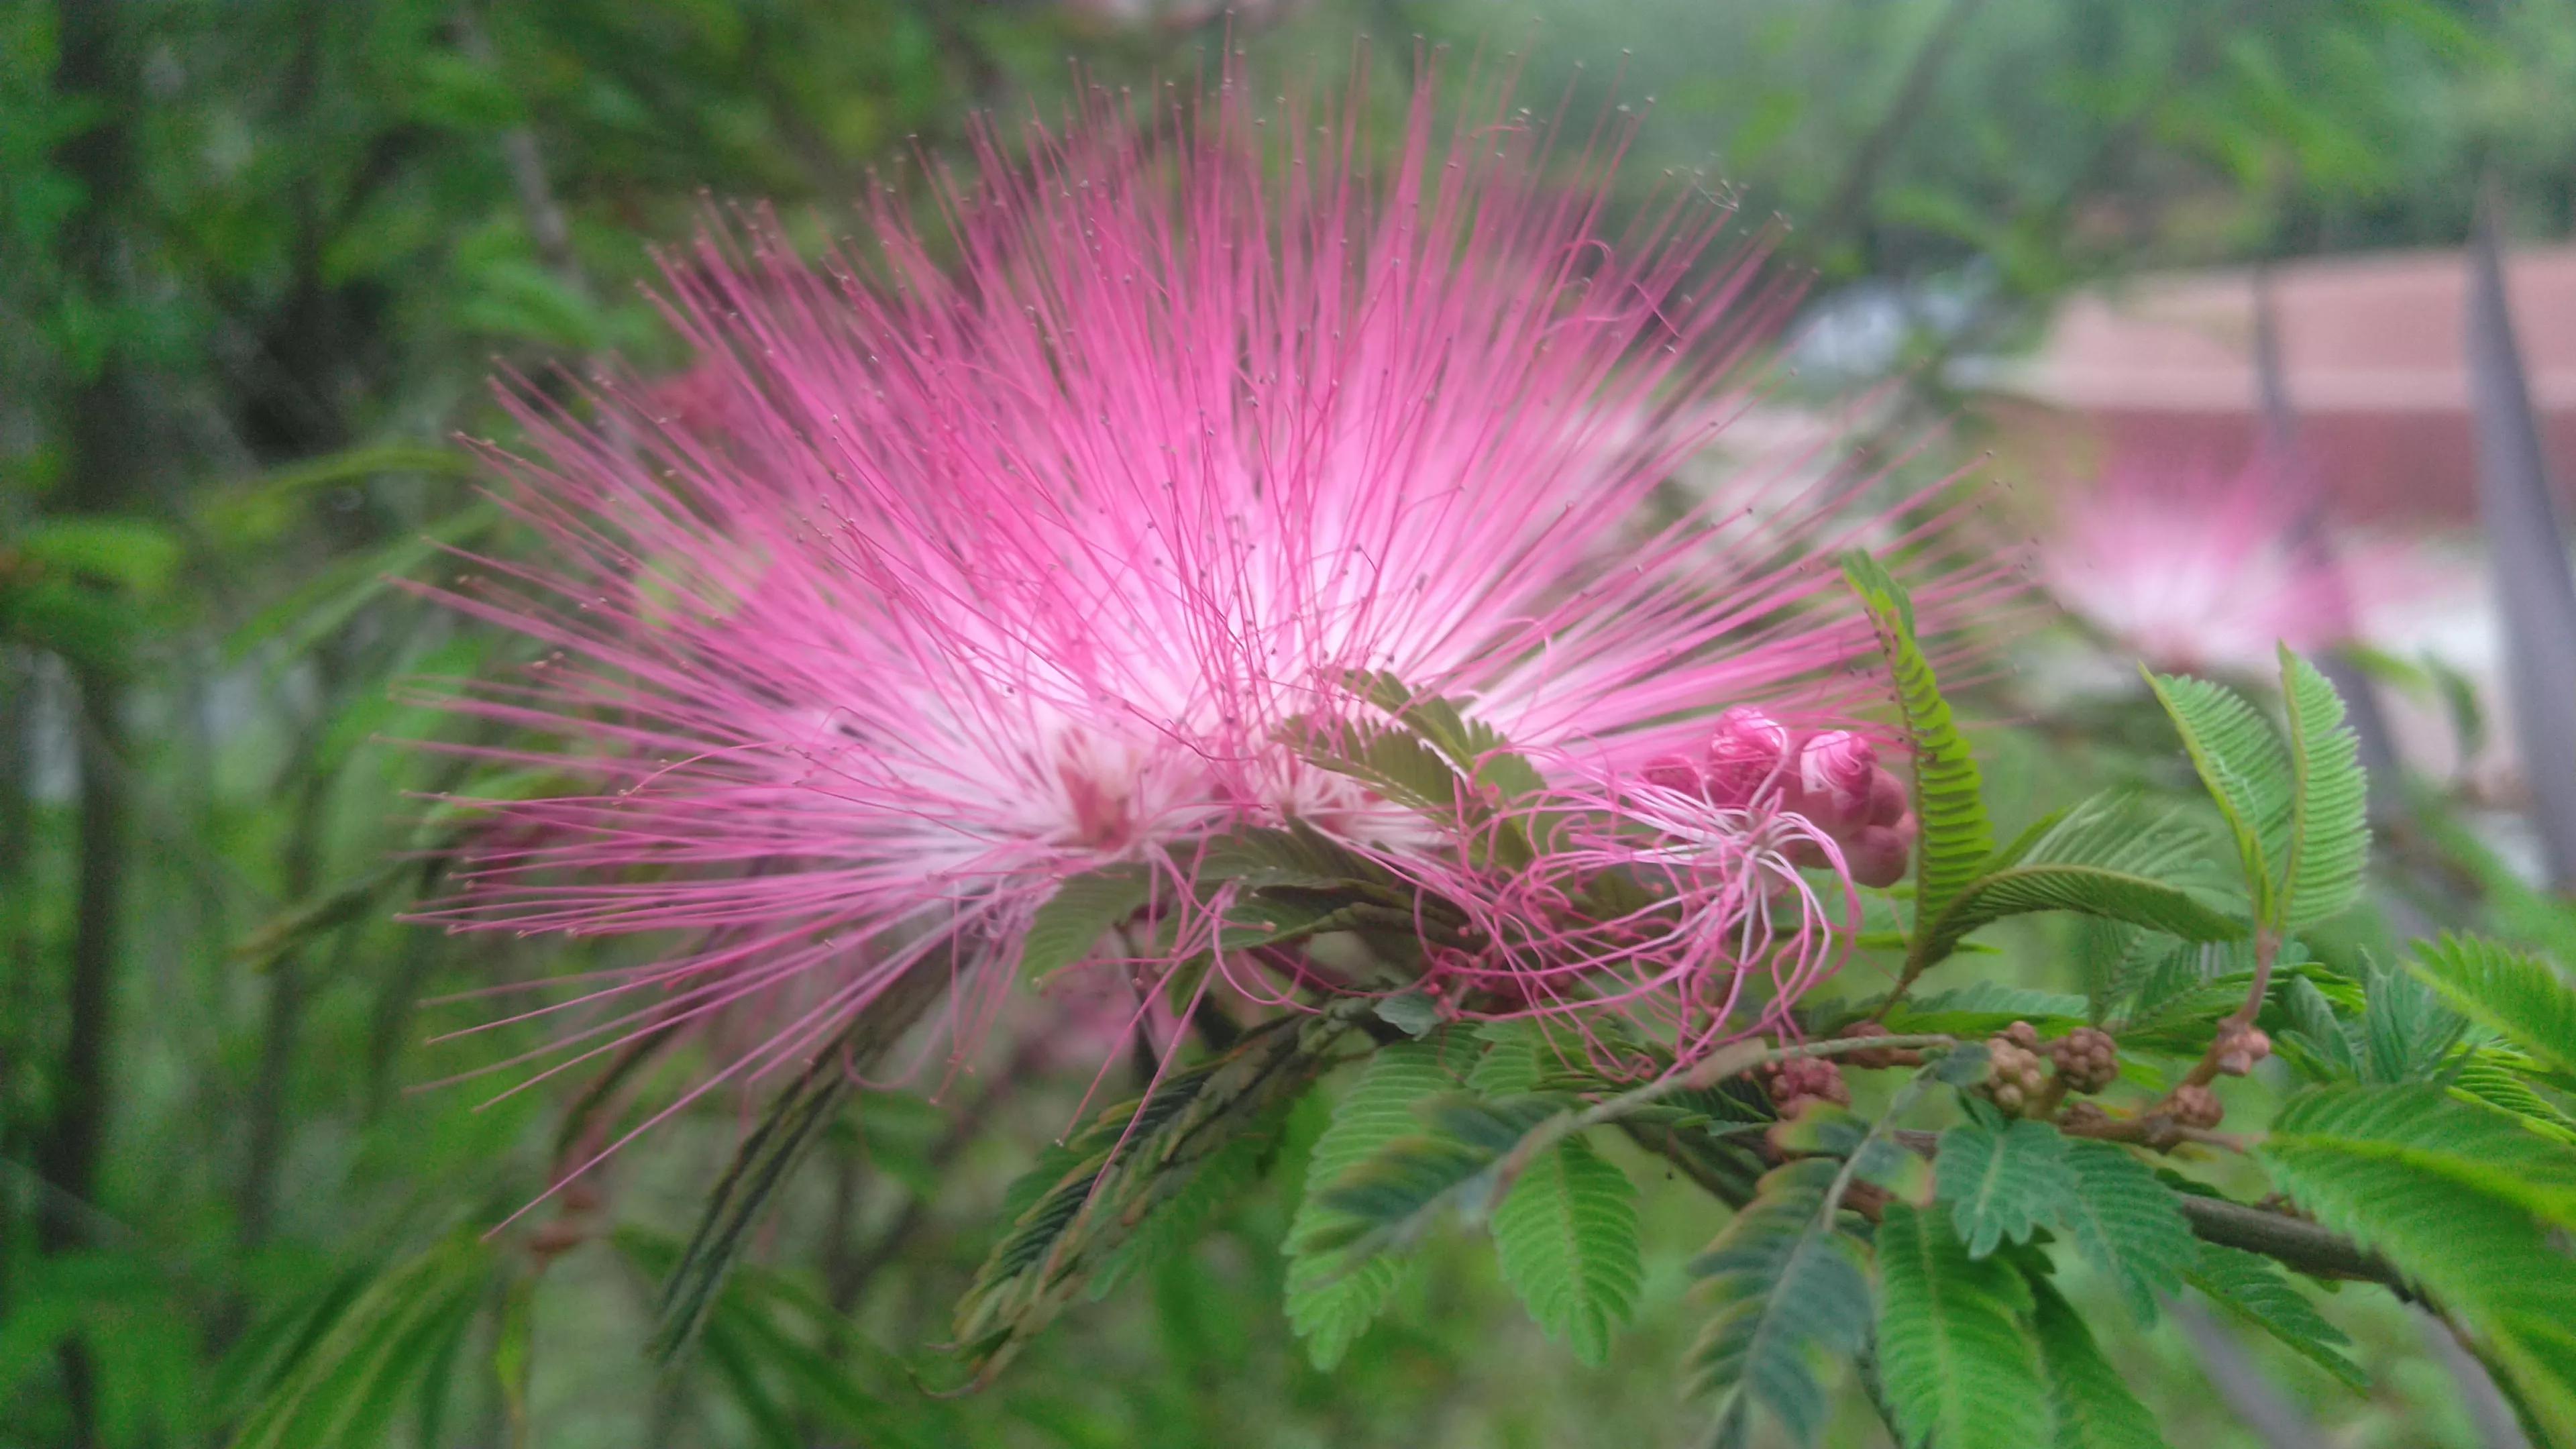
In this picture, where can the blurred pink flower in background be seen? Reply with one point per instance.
(2197, 569)
(939, 583)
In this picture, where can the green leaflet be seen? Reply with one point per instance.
(2094, 1409)
(2407, 1033)
(2002, 1184)
(2490, 1078)
(2108, 857)
(1133, 1161)
(1257, 857)
(2514, 994)
(349, 1382)
(2125, 1222)
(1789, 1294)
(2461, 1201)
(768, 1158)
(1958, 1365)
(1390, 1199)
(1185, 1216)
(2242, 761)
(765, 1341)
(1566, 1237)
(1785, 1280)
(2317, 1038)
(1471, 744)
(1949, 794)
(1329, 1303)
(1391, 759)
(1983, 1007)
(2429, 1133)
(1072, 921)
(2329, 842)
(2255, 1290)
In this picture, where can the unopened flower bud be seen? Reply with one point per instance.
(1672, 772)
(2197, 1107)
(1836, 769)
(1889, 800)
(1745, 756)
(2087, 1059)
(1800, 1079)
(2014, 1073)
(2239, 1050)
(1879, 854)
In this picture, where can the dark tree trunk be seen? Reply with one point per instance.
(108, 451)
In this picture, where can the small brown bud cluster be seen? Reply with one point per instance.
(2015, 1073)
(2087, 1059)
(1797, 1080)
(2239, 1049)
(2196, 1107)
(1868, 1058)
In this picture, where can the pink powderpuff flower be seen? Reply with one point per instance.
(1027, 540)
(2200, 570)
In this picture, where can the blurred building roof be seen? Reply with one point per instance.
(2161, 366)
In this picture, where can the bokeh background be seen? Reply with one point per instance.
(263, 257)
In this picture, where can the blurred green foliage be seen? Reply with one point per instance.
(261, 257)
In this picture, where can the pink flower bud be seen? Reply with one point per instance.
(1835, 773)
(1889, 800)
(1879, 854)
(1673, 773)
(1745, 755)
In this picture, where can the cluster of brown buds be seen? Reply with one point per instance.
(2016, 1077)
(2087, 1059)
(2193, 1105)
(2238, 1048)
(1795, 1081)
(1831, 778)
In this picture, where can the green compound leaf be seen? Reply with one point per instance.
(2094, 1409)
(2109, 857)
(1566, 1236)
(2514, 994)
(1958, 1364)
(1949, 794)
(2125, 1223)
(2329, 843)
(2256, 1290)
(2001, 1185)
(1789, 1295)
(1329, 1303)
